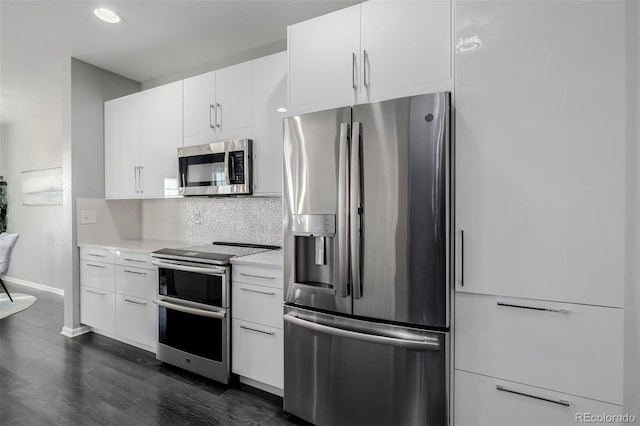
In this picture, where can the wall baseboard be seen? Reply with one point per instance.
(74, 332)
(34, 285)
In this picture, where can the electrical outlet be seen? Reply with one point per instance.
(87, 217)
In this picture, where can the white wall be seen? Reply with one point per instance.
(85, 88)
(632, 294)
(35, 143)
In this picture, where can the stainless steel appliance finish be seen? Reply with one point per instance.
(363, 373)
(219, 168)
(194, 306)
(367, 193)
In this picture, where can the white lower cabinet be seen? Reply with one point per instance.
(570, 348)
(136, 319)
(481, 400)
(258, 352)
(97, 308)
(117, 293)
(257, 326)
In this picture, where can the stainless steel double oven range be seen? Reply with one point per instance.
(194, 301)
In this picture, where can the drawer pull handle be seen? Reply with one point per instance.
(257, 276)
(533, 308)
(553, 401)
(96, 292)
(96, 255)
(270, 333)
(135, 260)
(135, 302)
(96, 266)
(268, 293)
(134, 272)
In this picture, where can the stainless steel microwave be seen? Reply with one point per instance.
(219, 168)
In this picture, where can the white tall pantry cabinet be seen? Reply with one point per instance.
(540, 210)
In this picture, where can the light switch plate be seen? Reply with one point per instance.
(87, 217)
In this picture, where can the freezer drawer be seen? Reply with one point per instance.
(341, 371)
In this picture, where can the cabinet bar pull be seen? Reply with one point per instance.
(96, 255)
(137, 303)
(218, 110)
(212, 107)
(365, 59)
(268, 293)
(135, 260)
(462, 258)
(553, 401)
(353, 71)
(96, 292)
(140, 180)
(257, 276)
(270, 333)
(533, 308)
(96, 266)
(134, 272)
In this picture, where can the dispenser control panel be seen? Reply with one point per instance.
(312, 224)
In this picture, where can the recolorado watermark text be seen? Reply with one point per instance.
(605, 418)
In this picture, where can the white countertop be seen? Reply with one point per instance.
(271, 257)
(136, 245)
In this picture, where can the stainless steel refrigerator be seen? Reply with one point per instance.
(367, 249)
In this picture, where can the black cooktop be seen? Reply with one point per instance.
(218, 252)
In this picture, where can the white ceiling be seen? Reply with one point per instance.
(156, 38)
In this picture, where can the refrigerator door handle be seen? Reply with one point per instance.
(355, 210)
(425, 344)
(343, 208)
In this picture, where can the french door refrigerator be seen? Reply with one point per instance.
(367, 249)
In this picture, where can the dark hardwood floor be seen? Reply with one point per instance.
(47, 379)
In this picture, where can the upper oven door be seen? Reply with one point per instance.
(208, 285)
(221, 168)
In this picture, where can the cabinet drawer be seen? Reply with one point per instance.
(479, 401)
(98, 275)
(270, 276)
(97, 308)
(258, 352)
(97, 254)
(577, 349)
(136, 282)
(136, 319)
(257, 304)
(135, 259)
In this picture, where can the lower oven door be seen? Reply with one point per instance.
(194, 337)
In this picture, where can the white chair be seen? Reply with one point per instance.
(7, 242)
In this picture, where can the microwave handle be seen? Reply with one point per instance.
(226, 167)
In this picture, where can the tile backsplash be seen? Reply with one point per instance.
(203, 220)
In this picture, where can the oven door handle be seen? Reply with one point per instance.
(208, 271)
(188, 310)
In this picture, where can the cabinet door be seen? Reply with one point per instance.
(269, 94)
(136, 282)
(121, 146)
(482, 400)
(97, 308)
(406, 48)
(234, 94)
(161, 131)
(136, 319)
(322, 70)
(258, 352)
(540, 150)
(199, 101)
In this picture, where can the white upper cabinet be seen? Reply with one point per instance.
(406, 48)
(142, 134)
(324, 59)
(369, 52)
(269, 94)
(217, 105)
(540, 150)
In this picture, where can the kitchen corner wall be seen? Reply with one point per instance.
(203, 220)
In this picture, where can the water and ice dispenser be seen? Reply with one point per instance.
(315, 246)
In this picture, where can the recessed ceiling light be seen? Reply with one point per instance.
(468, 45)
(107, 15)
(281, 109)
